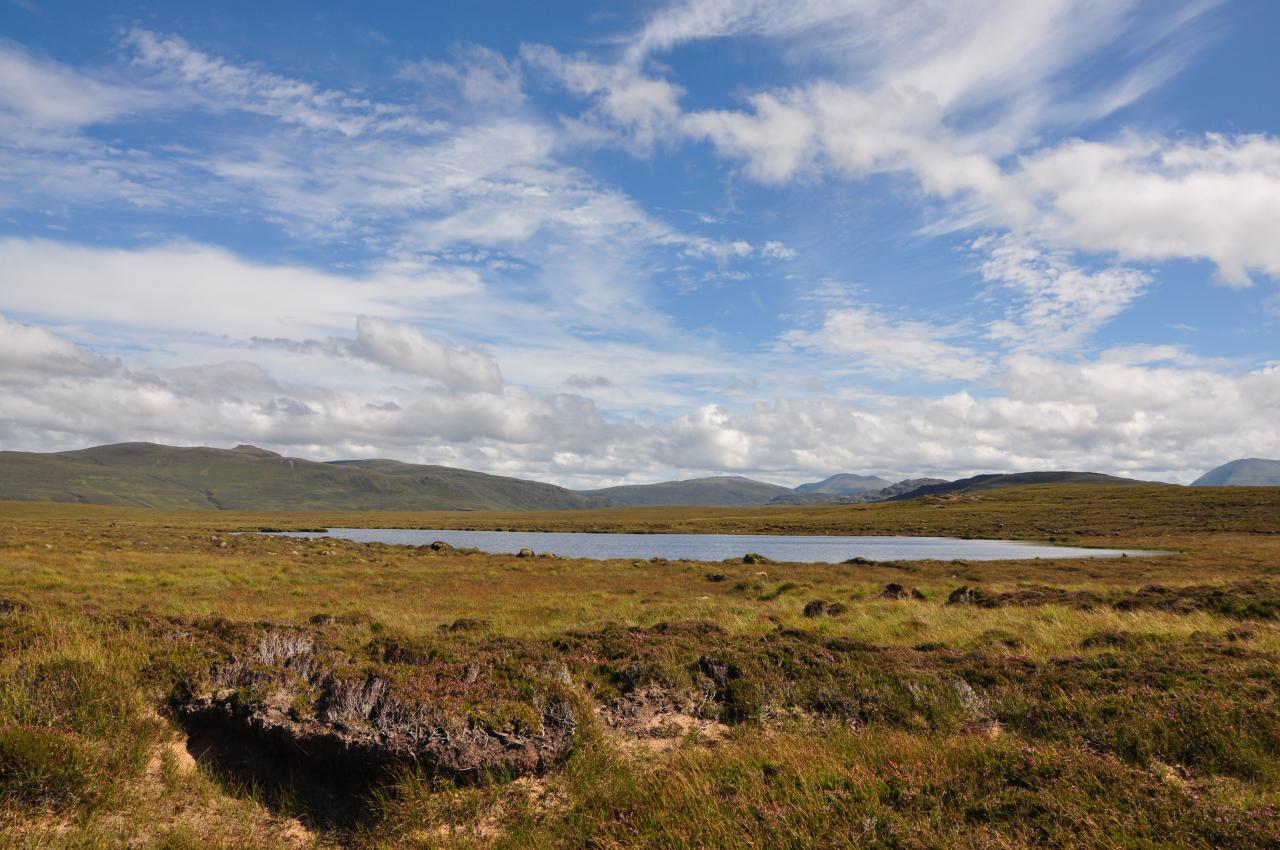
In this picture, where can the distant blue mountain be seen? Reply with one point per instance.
(1246, 472)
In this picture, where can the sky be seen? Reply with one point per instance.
(624, 242)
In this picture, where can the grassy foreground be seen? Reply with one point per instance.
(1100, 703)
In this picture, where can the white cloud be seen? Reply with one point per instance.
(1215, 197)
(1162, 423)
(1128, 412)
(869, 341)
(222, 84)
(202, 289)
(777, 251)
(37, 94)
(482, 77)
(1056, 305)
(34, 351)
(641, 110)
(963, 56)
(405, 348)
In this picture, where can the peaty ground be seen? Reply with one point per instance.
(421, 698)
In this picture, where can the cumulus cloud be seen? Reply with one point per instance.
(1160, 422)
(1126, 412)
(26, 350)
(402, 348)
(85, 399)
(406, 349)
(1214, 197)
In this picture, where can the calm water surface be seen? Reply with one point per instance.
(717, 547)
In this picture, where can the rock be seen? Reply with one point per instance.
(9, 607)
(440, 546)
(467, 624)
(893, 590)
(965, 595)
(716, 577)
(816, 608)
(755, 558)
(525, 553)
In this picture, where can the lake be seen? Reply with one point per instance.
(718, 547)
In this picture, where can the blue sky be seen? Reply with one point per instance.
(627, 242)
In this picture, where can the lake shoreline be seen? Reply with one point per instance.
(712, 548)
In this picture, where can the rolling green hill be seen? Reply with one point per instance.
(247, 478)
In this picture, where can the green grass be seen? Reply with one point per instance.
(1128, 703)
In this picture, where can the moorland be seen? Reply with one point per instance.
(168, 681)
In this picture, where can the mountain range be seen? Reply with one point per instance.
(250, 478)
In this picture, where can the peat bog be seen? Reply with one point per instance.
(165, 682)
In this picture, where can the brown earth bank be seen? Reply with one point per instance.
(165, 683)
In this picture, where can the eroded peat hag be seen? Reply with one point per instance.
(334, 714)
(363, 695)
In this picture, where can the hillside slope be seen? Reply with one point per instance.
(248, 478)
(883, 494)
(725, 491)
(1246, 472)
(993, 481)
(844, 484)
